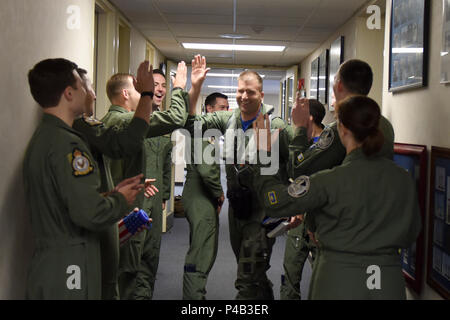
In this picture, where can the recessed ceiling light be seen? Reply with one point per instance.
(233, 47)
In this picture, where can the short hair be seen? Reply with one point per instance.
(254, 74)
(116, 83)
(361, 115)
(357, 76)
(159, 71)
(82, 72)
(49, 78)
(211, 99)
(317, 111)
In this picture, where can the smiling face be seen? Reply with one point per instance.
(249, 95)
(160, 89)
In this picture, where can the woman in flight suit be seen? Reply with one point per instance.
(367, 209)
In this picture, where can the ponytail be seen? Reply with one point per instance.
(373, 143)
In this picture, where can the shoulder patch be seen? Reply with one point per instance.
(299, 187)
(81, 165)
(300, 158)
(92, 121)
(326, 138)
(272, 198)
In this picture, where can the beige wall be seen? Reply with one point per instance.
(359, 42)
(421, 116)
(31, 31)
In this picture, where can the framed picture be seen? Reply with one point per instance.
(323, 77)
(336, 58)
(438, 271)
(414, 159)
(445, 51)
(314, 87)
(408, 50)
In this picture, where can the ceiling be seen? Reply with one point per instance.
(300, 25)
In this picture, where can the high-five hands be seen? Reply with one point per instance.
(301, 115)
(199, 71)
(180, 79)
(144, 81)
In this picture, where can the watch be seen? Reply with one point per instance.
(147, 93)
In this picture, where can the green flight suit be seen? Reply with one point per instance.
(249, 240)
(158, 165)
(306, 160)
(365, 210)
(61, 182)
(115, 143)
(200, 194)
(161, 123)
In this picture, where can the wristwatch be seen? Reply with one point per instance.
(147, 93)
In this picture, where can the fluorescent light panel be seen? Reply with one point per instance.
(232, 47)
(222, 87)
(227, 75)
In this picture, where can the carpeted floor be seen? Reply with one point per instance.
(221, 279)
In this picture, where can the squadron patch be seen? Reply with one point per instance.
(81, 165)
(326, 138)
(272, 197)
(299, 187)
(300, 157)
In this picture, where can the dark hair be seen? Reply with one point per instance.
(211, 99)
(159, 71)
(317, 111)
(49, 78)
(82, 72)
(357, 76)
(254, 74)
(361, 115)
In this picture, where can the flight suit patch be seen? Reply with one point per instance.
(272, 197)
(300, 157)
(299, 187)
(326, 138)
(81, 165)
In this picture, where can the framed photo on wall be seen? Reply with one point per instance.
(323, 77)
(314, 80)
(438, 271)
(336, 58)
(414, 159)
(445, 50)
(408, 50)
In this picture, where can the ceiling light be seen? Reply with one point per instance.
(228, 75)
(232, 47)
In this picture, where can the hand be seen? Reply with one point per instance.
(300, 113)
(220, 202)
(144, 80)
(150, 188)
(180, 79)
(140, 229)
(264, 136)
(130, 188)
(199, 71)
(295, 221)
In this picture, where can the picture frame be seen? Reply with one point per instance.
(408, 49)
(438, 260)
(336, 58)
(323, 77)
(314, 80)
(413, 158)
(445, 49)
